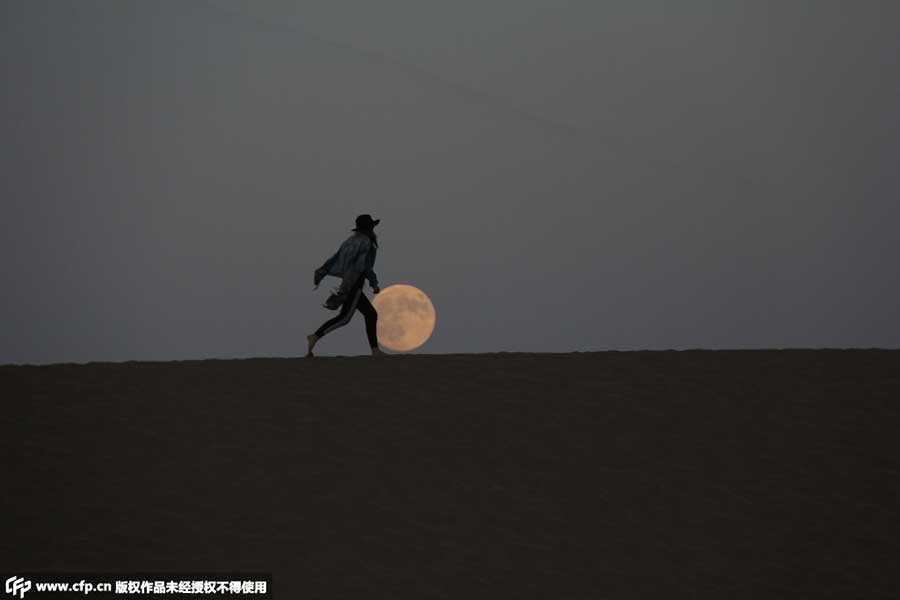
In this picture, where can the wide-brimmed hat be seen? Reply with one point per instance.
(365, 223)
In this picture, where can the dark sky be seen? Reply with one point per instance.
(556, 176)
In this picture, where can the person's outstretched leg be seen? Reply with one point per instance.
(343, 317)
(371, 315)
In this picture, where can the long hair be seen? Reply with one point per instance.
(369, 233)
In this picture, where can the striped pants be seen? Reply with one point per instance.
(356, 299)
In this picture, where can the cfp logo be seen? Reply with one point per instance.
(17, 585)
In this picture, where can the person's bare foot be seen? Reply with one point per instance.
(311, 341)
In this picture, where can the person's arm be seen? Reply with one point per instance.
(370, 270)
(322, 271)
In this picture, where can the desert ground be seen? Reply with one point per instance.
(688, 474)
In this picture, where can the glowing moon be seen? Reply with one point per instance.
(405, 317)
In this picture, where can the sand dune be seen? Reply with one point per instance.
(700, 474)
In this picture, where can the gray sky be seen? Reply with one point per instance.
(556, 176)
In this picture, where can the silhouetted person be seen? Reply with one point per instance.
(353, 263)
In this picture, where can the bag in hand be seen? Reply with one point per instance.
(335, 300)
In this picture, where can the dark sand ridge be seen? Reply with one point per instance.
(707, 474)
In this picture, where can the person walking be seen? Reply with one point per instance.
(354, 263)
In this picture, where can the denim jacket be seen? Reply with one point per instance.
(355, 258)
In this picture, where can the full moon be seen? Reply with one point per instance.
(405, 317)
